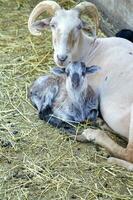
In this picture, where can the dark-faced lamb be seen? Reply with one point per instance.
(65, 96)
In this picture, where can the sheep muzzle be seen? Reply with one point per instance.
(75, 80)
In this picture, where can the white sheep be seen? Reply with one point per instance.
(65, 96)
(114, 55)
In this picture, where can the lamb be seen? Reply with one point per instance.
(65, 96)
(115, 57)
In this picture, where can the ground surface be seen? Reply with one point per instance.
(36, 161)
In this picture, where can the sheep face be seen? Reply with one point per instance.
(76, 79)
(66, 29)
(76, 75)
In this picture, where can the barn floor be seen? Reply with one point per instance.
(36, 161)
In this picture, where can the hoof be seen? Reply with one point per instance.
(90, 135)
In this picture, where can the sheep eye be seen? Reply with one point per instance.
(53, 25)
(67, 73)
(83, 73)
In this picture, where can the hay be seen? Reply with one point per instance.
(36, 161)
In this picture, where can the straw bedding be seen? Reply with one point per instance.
(37, 162)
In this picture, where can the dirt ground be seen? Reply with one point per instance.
(37, 161)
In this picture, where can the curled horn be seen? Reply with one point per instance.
(87, 8)
(50, 6)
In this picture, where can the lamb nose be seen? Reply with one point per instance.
(62, 58)
(75, 80)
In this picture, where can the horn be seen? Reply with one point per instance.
(50, 6)
(89, 9)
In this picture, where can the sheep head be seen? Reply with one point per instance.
(75, 73)
(66, 26)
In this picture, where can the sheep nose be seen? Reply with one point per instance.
(62, 58)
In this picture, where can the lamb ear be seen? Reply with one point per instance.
(58, 71)
(41, 24)
(92, 69)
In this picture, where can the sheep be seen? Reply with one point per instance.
(64, 96)
(125, 33)
(114, 56)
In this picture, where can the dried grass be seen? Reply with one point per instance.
(36, 161)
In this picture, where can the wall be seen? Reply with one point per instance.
(119, 12)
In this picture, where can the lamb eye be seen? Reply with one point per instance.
(83, 73)
(67, 73)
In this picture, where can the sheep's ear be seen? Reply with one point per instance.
(41, 24)
(92, 69)
(58, 71)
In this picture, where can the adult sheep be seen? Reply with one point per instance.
(114, 55)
